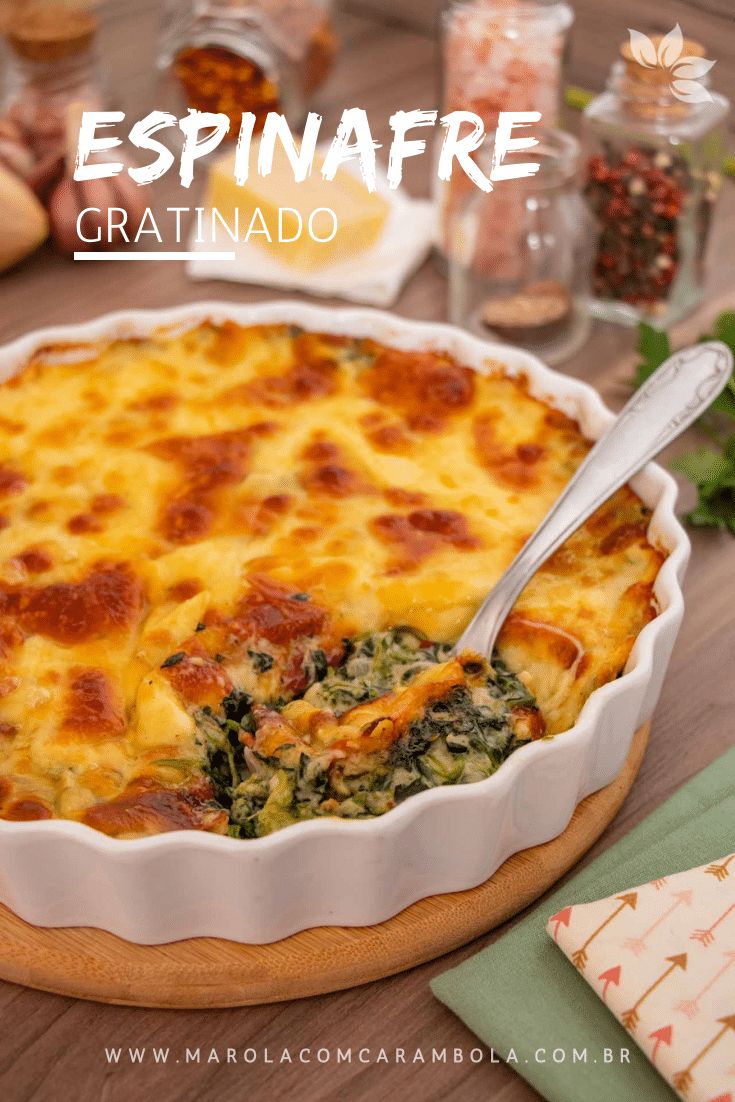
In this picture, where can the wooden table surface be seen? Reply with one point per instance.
(53, 1048)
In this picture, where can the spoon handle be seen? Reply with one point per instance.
(673, 397)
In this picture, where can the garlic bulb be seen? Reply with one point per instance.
(31, 148)
(23, 225)
(14, 151)
(69, 197)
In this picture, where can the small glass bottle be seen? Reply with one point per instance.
(233, 56)
(53, 62)
(500, 55)
(653, 171)
(519, 256)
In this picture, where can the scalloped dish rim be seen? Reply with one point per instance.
(566, 393)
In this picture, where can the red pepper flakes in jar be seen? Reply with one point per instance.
(232, 56)
(652, 176)
(217, 79)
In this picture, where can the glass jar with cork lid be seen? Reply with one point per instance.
(52, 62)
(654, 147)
(52, 68)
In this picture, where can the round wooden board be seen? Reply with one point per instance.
(207, 972)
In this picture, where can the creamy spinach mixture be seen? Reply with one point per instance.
(398, 716)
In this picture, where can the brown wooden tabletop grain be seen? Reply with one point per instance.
(52, 1049)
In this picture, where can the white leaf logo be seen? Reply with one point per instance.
(690, 91)
(684, 72)
(670, 47)
(643, 50)
(692, 68)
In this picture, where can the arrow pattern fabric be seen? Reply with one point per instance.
(662, 958)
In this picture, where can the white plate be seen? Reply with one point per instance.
(189, 883)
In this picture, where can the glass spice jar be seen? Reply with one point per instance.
(520, 256)
(52, 62)
(233, 56)
(500, 55)
(653, 171)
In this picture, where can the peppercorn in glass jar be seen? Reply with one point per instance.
(654, 142)
(232, 56)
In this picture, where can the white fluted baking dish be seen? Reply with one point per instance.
(189, 883)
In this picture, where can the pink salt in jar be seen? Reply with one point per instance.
(500, 55)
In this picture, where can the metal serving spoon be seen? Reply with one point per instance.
(675, 395)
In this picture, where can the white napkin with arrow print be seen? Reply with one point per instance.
(662, 958)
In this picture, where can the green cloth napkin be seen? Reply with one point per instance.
(522, 993)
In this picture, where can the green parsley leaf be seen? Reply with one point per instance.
(703, 465)
(715, 511)
(711, 470)
(653, 347)
(725, 328)
(725, 402)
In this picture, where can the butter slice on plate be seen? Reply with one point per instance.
(361, 216)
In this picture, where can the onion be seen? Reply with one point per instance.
(24, 225)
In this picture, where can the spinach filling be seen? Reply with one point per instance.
(462, 737)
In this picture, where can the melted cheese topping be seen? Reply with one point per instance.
(166, 505)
